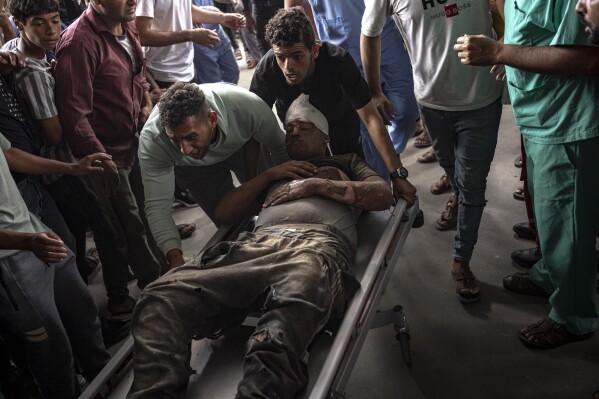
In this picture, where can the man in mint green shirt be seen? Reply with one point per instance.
(201, 133)
(553, 79)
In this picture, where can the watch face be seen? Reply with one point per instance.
(400, 172)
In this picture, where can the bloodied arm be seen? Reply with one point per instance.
(242, 201)
(372, 194)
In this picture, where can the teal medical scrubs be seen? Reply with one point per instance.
(559, 120)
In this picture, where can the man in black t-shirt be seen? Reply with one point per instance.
(296, 64)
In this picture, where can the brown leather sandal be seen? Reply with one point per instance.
(423, 140)
(548, 334)
(186, 230)
(427, 157)
(520, 283)
(441, 186)
(449, 217)
(466, 286)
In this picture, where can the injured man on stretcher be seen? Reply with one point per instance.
(297, 262)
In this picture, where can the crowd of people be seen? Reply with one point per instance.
(111, 110)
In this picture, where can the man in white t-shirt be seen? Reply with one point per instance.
(461, 108)
(168, 31)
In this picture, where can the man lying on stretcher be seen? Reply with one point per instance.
(303, 243)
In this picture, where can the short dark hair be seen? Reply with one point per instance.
(290, 26)
(181, 101)
(21, 9)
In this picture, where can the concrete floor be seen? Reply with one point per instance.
(470, 351)
(458, 351)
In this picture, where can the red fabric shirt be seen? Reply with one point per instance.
(97, 94)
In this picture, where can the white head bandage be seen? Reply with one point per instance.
(301, 110)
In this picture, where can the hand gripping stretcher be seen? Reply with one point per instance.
(218, 363)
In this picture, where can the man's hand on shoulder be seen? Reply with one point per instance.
(402, 188)
(9, 61)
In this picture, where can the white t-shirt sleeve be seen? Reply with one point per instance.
(145, 8)
(375, 16)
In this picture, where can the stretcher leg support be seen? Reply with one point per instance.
(396, 317)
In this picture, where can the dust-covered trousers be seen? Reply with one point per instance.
(299, 267)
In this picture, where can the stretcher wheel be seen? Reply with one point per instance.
(418, 220)
(404, 343)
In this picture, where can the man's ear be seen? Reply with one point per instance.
(18, 24)
(315, 50)
(212, 118)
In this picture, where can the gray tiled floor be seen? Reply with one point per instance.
(459, 351)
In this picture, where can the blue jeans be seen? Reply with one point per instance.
(53, 313)
(218, 64)
(40, 203)
(464, 143)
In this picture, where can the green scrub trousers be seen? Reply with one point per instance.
(564, 185)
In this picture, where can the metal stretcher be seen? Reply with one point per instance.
(218, 363)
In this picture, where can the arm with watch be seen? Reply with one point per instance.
(402, 188)
(399, 173)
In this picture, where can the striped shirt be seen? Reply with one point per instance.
(34, 87)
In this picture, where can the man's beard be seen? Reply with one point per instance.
(594, 36)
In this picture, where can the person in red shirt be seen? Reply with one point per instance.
(102, 100)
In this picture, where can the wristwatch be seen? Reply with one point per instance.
(400, 172)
